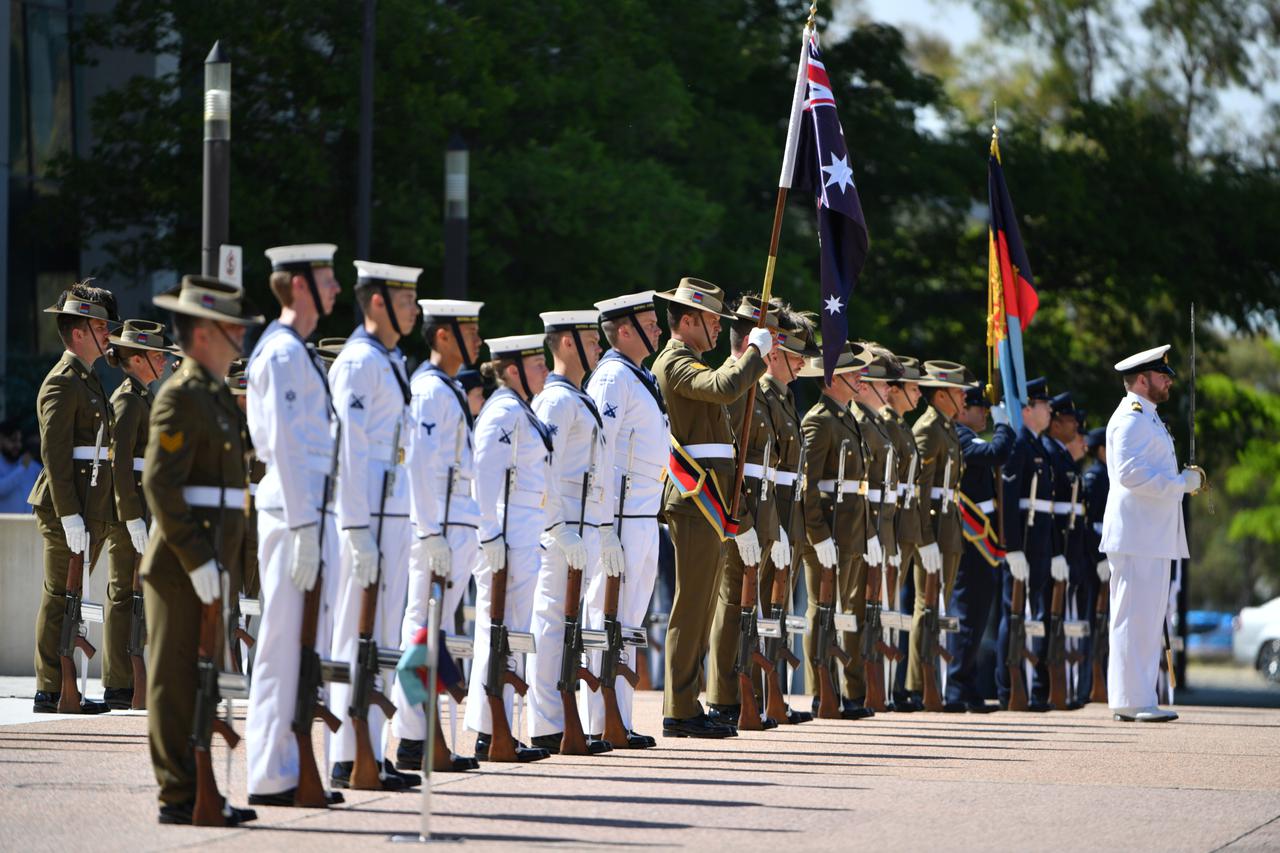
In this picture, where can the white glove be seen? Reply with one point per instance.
(138, 533)
(780, 551)
(748, 547)
(1104, 571)
(1018, 567)
(761, 339)
(874, 555)
(1058, 568)
(826, 552)
(1000, 414)
(896, 560)
(77, 536)
(493, 554)
(569, 543)
(207, 582)
(434, 550)
(1191, 481)
(362, 554)
(931, 558)
(612, 561)
(305, 566)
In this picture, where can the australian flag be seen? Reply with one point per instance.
(822, 166)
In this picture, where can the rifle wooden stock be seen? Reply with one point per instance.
(775, 688)
(873, 644)
(749, 654)
(1017, 651)
(366, 774)
(310, 791)
(502, 743)
(825, 647)
(208, 806)
(1099, 645)
(69, 698)
(573, 741)
(930, 645)
(137, 640)
(615, 732)
(1057, 652)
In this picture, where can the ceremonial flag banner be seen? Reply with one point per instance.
(1011, 293)
(411, 670)
(822, 166)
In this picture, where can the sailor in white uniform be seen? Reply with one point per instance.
(1142, 531)
(293, 425)
(578, 461)
(637, 435)
(514, 527)
(371, 394)
(440, 465)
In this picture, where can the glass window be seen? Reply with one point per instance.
(49, 85)
(49, 286)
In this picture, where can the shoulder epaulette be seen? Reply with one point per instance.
(1136, 406)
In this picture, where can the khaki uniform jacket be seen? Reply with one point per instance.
(781, 405)
(697, 399)
(937, 442)
(197, 439)
(825, 427)
(907, 523)
(132, 405)
(70, 407)
(763, 514)
(877, 443)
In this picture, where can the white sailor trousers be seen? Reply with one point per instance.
(1139, 598)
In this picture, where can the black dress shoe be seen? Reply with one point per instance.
(635, 740)
(92, 706)
(700, 726)
(551, 743)
(284, 799)
(980, 708)
(524, 754)
(905, 703)
(954, 708)
(180, 814)
(46, 702)
(1039, 707)
(795, 717)
(340, 777)
(409, 754)
(725, 715)
(118, 698)
(411, 780)
(850, 710)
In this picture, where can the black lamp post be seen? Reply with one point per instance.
(216, 221)
(456, 166)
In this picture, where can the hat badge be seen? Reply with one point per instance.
(84, 308)
(208, 301)
(697, 297)
(142, 337)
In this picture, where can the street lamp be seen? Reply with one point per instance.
(215, 225)
(456, 166)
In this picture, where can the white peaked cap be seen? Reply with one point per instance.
(517, 345)
(394, 276)
(460, 309)
(1137, 360)
(567, 321)
(316, 254)
(632, 303)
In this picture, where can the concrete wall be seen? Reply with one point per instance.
(21, 579)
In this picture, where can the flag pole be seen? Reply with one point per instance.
(780, 206)
(995, 302)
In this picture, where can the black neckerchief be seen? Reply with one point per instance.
(538, 425)
(645, 376)
(361, 332)
(563, 381)
(275, 327)
(452, 385)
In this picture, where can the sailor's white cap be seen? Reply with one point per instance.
(516, 346)
(621, 306)
(303, 254)
(450, 309)
(1156, 358)
(569, 321)
(370, 273)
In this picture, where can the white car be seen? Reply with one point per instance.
(1255, 638)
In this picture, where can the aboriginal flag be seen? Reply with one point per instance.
(1011, 293)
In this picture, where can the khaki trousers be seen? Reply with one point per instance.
(700, 559)
(53, 597)
(915, 664)
(117, 669)
(722, 680)
(851, 597)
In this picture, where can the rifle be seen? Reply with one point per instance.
(309, 705)
(1057, 652)
(874, 648)
(72, 636)
(825, 646)
(611, 665)
(138, 639)
(1100, 647)
(1017, 651)
(777, 649)
(502, 744)
(748, 635)
(930, 648)
(573, 741)
(366, 772)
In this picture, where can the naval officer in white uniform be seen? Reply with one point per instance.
(1142, 531)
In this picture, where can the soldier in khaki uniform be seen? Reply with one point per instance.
(141, 351)
(696, 496)
(830, 429)
(246, 583)
(194, 481)
(761, 445)
(72, 515)
(941, 464)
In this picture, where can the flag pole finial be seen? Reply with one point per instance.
(812, 23)
(995, 119)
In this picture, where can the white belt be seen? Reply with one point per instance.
(1037, 504)
(573, 488)
(253, 489)
(873, 495)
(851, 487)
(1062, 507)
(640, 468)
(751, 469)
(709, 451)
(379, 454)
(212, 497)
(938, 493)
(988, 506)
(785, 478)
(138, 462)
(86, 452)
